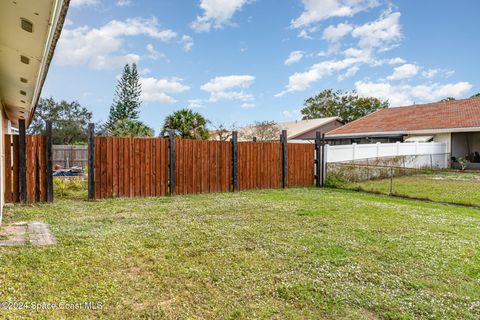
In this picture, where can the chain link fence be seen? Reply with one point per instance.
(424, 177)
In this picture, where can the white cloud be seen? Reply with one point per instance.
(195, 103)
(294, 57)
(318, 10)
(229, 88)
(153, 53)
(123, 3)
(100, 47)
(301, 81)
(430, 73)
(248, 105)
(381, 34)
(404, 94)
(159, 90)
(187, 43)
(217, 13)
(404, 71)
(350, 73)
(335, 33)
(80, 3)
(396, 60)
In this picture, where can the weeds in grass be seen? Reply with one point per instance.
(65, 186)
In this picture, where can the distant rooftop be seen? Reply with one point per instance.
(453, 114)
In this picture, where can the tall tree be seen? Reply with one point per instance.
(126, 102)
(346, 105)
(186, 124)
(131, 128)
(69, 121)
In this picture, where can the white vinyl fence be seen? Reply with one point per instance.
(415, 155)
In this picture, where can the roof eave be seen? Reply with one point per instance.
(405, 132)
(60, 9)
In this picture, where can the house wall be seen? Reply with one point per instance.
(310, 135)
(3, 128)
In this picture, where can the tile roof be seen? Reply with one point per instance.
(440, 115)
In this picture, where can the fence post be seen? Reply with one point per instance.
(318, 154)
(323, 162)
(391, 180)
(235, 161)
(91, 161)
(22, 160)
(284, 142)
(171, 161)
(49, 155)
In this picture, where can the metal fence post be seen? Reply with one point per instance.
(49, 156)
(171, 161)
(235, 161)
(91, 161)
(22, 160)
(318, 154)
(391, 180)
(284, 142)
(323, 162)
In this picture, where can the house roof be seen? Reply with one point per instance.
(299, 127)
(441, 116)
(294, 128)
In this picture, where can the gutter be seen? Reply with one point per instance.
(399, 133)
(59, 14)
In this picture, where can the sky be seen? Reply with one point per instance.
(240, 61)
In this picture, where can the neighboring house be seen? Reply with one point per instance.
(456, 123)
(29, 31)
(297, 131)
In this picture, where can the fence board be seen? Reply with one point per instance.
(8, 194)
(301, 167)
(15, 171)
(130, 167)
(260, 165)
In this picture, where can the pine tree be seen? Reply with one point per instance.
(126, 103)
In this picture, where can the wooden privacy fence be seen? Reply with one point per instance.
(142, 167)
(130, 167)
(202, 166)
(259, 165)
(69, 156)
(28, 172)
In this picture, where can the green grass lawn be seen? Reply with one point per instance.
(451, 187)
(300, 253)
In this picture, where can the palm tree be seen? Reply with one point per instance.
(186, 125)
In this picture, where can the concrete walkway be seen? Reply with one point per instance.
(20, 233)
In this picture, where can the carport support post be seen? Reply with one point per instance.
(171, 161)
(283, 141)
(91, 161)
(235, 161)
(22, 160)
(49, 156)
(318, 162)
